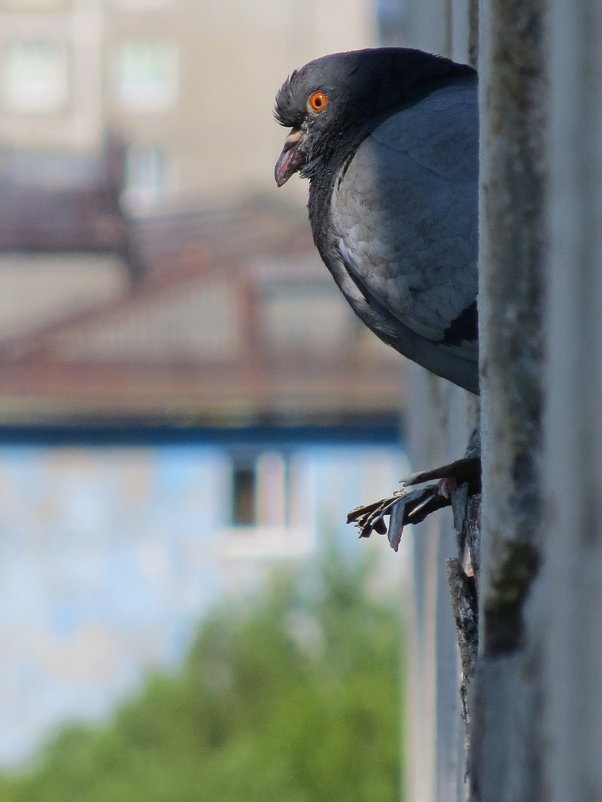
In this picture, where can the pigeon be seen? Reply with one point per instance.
(388, 138)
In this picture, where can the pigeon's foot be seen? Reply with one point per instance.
(413, 506)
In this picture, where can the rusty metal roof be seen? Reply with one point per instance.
(234, 318)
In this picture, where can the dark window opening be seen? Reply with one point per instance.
(244, 495)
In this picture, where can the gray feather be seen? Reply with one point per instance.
(405, 211)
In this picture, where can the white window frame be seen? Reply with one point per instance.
(36, 97)
(144, 191)
(137, 92)
(282, 529)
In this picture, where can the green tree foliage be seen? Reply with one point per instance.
(294, 698)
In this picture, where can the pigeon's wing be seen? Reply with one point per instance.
(405, 216)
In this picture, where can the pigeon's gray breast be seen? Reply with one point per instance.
(404, 213)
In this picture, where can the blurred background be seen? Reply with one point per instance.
(187, 405)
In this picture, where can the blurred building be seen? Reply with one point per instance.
(189, 85)
(166, 440)
(114, 544)
(186, 402)
(185, 398)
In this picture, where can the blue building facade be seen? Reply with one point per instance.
(116, 542)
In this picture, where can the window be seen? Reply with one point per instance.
(260, 491)
(147, 74)
(271, 508)
(274, 490)
(35, 76)
(145, 177)
(244, 495)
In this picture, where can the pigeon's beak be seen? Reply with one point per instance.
(291, 159)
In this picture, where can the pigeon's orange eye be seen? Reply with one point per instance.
(317, 101)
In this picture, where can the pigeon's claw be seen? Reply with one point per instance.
(403, 507)
(413, 506)
(370, 517)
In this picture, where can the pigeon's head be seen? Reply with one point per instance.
(332, 103)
